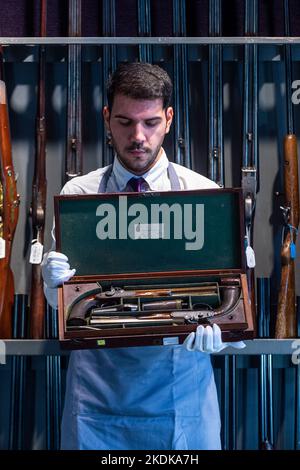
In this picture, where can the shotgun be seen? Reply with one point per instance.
(74, 118)
(144, 29)
(109, 59)
(9, 211)
(286, 325)
(250, 173)
(39, 195)
(53, 384)
(181, 87)
(266, 421)
(216, 173)
(215, 92)
(250, 182)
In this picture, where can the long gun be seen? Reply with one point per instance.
(109, 64)
(215, 104)
(266, 427)
(144, 29)
(249, 180)
(74, 118)
(181, 87)
(39, 195)
(250, 136)
(53, 385)
(216, 173)
(286, 326)
(9, 211)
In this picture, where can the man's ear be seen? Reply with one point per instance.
(169, 117)
(106, 116)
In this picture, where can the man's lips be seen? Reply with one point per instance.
(137, 151)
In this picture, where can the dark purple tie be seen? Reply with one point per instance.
(137, 184)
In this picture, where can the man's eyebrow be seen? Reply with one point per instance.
(154, 118)
(121, 116)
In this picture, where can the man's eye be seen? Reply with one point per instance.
(124, 123)
(151, 123)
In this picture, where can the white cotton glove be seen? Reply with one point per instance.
(208, 339)
(56, 269)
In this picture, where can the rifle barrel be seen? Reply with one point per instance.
(74, 120)
(215, 105)
(109, 58)
(181, 90)
(266, 423)
(144, 29)
(288, 71)
(39, 192)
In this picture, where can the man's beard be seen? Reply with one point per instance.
(152, 154)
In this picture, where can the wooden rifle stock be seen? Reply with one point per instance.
(39, 194)
(286, 314)
(9, 210)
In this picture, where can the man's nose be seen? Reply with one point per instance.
(137, 133)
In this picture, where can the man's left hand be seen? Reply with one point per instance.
(209, 339)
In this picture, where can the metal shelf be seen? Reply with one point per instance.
(26, 347)
(169, 40)
(266, 346)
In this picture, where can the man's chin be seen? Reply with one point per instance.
(138, 169)
(138, 166)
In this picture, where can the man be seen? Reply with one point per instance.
(142, 397)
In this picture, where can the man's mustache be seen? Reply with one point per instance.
(137, 147)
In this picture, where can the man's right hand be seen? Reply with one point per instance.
(56, 269)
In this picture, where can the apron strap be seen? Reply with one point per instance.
(104, 180)
(173, 177)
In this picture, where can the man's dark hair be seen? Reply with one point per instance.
(140, 81)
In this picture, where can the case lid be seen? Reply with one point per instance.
(148, 232)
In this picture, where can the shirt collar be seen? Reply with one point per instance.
(122, 175)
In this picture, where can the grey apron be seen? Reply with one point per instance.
(152, 397)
